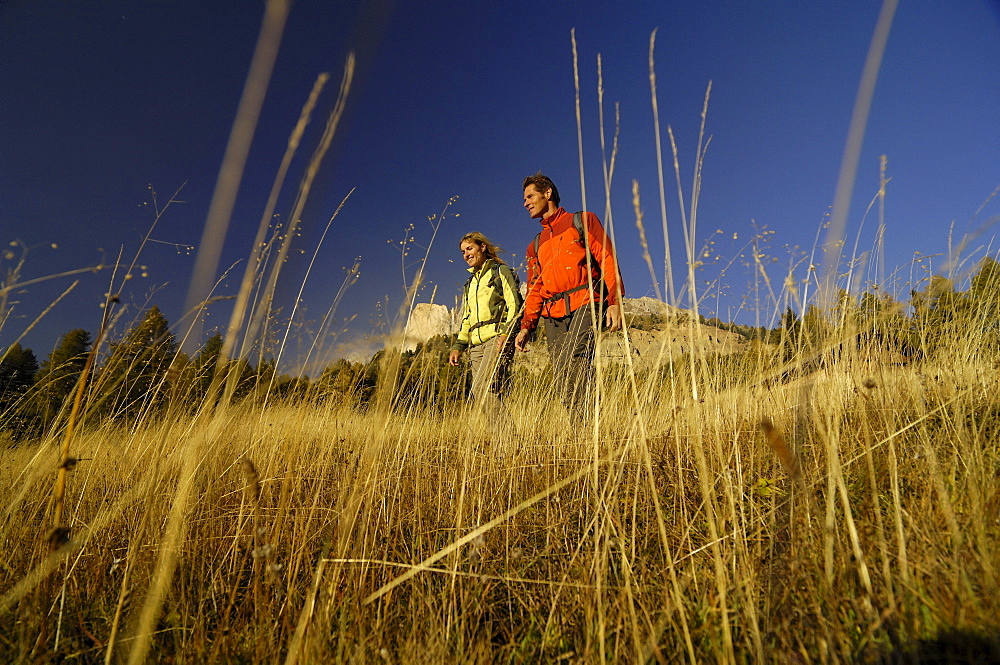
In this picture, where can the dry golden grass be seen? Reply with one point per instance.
(319, 533)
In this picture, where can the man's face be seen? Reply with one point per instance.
(536, 202)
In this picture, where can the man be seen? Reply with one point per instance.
(574, 283)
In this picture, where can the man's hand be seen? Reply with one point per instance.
(613, 317)
(501, 341)
(521, 341)
(453, 357)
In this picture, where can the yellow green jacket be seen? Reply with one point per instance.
(490, 306)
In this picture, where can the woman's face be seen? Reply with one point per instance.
(473, 254)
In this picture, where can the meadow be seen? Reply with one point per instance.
(792, 502)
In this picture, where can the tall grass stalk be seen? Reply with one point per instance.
(324, 334)
(263, 310)
(48, 308)
(237, 149)
(668, 268)
(389, 368)
(238, 315)
(305, 279)
(852, 153)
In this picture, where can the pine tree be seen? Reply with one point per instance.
(60, 372)
(17, 374)
(937, 303)
(984, 294)
(790, 333)
(18, 368)
(204, 365)
(135, 373)
(936, 312)
(815, 329)
(348, 382)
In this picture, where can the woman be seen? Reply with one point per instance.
(491, 307)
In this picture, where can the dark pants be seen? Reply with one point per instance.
(571, 350)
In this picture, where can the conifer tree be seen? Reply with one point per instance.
(204, 365)
(60, 372)
(936, 312)
(17, 374)
(984, 294)
(135, 373)
(18, 368)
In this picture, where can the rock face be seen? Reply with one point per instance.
(646, 305)
(665, 344)
(674, 336)
(426, 321)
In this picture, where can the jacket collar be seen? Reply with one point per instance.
(547, 221)
(486, 264)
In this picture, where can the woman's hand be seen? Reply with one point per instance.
(453, 357)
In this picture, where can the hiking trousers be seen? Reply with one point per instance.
(571, 342)
(490, 368)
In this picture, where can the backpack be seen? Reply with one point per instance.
(516, 287)
(578, 225)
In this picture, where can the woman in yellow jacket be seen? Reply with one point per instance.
(491, 307)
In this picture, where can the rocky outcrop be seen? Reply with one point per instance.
(646, 305)
(665, 344)
(670, 335)
(426, 321)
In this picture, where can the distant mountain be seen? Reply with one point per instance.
(426, 321)
(657, 333)
(645, 306)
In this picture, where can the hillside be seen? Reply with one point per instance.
(657, 332)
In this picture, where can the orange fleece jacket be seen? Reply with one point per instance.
(561, 265)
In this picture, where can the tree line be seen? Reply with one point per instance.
(144, 370)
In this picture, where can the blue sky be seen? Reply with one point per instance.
(101, 100)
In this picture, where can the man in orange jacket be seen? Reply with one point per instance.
(574, 283)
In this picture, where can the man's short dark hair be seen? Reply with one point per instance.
(541, 182)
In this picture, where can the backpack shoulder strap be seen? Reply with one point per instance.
(506, 273)
(578, 225)
(495, 269)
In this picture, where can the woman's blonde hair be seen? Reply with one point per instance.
(489, 249)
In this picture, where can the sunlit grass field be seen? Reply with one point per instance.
(732, 511)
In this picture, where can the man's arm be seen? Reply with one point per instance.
(521, 341)
(532, 300)
(604, 254)
(613, 317)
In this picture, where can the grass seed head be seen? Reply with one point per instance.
(253, 480)
(785, 455)
(58, 537)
